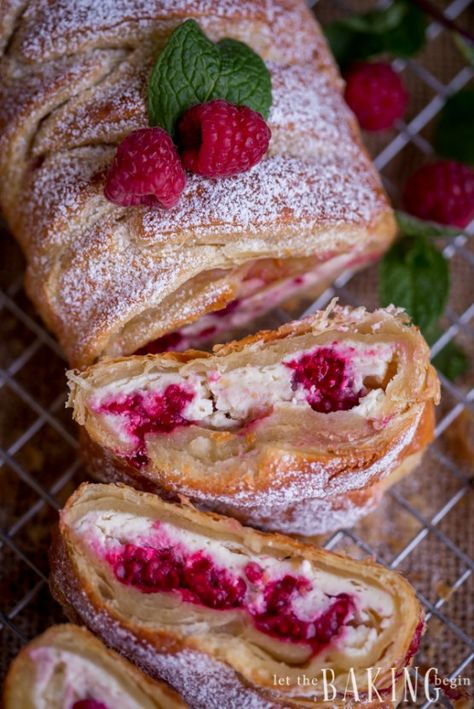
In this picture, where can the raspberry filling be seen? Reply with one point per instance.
(197, 579)
(329, 378)
(150, 412)
(325, 375)
(279, 619)
(89, 704)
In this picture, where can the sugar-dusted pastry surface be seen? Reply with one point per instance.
(176, 578)
(68, 668)
(287, 430)
(109, 280)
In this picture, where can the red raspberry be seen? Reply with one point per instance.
(442, 192)
(146, 170)
(219, 139)
(376, 94)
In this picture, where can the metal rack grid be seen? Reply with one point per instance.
(423, 527)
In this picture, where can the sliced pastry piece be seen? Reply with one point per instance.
(229, 616)
(291, 430)
(68, 668)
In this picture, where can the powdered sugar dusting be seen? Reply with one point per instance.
(51, 29)
(26, 97)
(334, 189)
(308, 116)
(105, 113)
(62, 190)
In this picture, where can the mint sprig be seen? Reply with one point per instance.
(398, 29)
(191, 70)
(414, 275)
(454, 132)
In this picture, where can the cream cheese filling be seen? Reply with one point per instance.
(226, 399)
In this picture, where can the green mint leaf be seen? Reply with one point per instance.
(452, 361)
(465, 47)
(191, 69)
(244, 79)
(412, 226)
(454, 132)
(414, 275)
(408, 37)
(185, 73)
(398, 30)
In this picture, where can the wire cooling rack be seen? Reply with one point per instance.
(423, 527)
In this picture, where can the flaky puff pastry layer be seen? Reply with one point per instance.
(109, 280)
(289, 468)
(217, 658)
(67, 663)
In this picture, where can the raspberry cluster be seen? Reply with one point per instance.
(215, 139)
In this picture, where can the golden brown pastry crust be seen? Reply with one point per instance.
(296, 471)
(229, 674)
(108, 280)
(23, 674)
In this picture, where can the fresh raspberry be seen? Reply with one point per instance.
(376, 94)
(442, 192)
(219, 139)
(146, 170)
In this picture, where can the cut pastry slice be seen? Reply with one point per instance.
(229, 616)
(68, 668)
(290, 430)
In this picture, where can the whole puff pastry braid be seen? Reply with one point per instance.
(109, 280)
(296, 430)
(220, 610)
(67, 666)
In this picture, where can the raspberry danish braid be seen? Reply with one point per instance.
(67, 667)
(295, 430)
(110, 280)
(229, 616)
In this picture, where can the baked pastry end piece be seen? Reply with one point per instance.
(67, 667)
